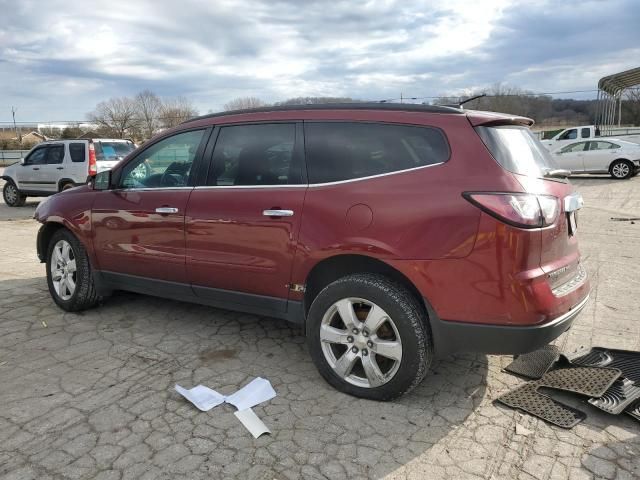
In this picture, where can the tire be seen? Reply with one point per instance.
(83, 295)
(66, 186)
(12, 196)
(333, 343)
(621, 169)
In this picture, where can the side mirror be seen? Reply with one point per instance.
(22, 160)
(102, 180)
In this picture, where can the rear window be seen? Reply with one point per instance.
(342, 151)
(112, 151)
(517, 150)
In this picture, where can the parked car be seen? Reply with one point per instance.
(616, 157)
(586, 132)
(57, 165)
(391, 233)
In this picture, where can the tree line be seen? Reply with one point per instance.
(141, 116)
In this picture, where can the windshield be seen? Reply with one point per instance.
(112, 151)
(517, 150)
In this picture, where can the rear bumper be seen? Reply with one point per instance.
(452, 337)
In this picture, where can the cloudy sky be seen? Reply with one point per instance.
(59, 58)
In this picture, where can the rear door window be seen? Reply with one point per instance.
(262, 154)
(55, 154)
(337, 151)
(517, 150)
(77, 151)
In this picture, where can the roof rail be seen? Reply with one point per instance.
(404, 107)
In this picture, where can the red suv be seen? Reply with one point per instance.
(392, 233)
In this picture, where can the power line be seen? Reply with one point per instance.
(523, 94)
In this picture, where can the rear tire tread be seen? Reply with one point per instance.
(413, 312)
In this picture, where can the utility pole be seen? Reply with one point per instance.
(400, 97)
(13, 113)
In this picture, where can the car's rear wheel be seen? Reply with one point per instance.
(12, 195)
(621, 169)
(66, 186)
(69, 273)
(368, 337)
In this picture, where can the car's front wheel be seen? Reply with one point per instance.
(12, 195)
(368, 337)
(69, 273)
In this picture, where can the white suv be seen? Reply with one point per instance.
(53, 166)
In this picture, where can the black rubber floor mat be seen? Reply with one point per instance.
(535, 364)
(626, 361)
(634, 410)
(528, 399)
(590, 381)
(621, 394)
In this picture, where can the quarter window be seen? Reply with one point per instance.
(342, 151)
(164, 164)
(586, 132)
(255, 155)
(77, 151)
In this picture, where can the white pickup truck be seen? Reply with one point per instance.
(586, 132)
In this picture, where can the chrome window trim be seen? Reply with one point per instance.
(146, 189)
(304, 185)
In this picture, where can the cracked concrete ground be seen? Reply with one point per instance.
(91, 395)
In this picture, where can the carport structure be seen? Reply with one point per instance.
(610, 92)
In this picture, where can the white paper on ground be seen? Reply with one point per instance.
(251, 422)
(202, 397)
(257, 391)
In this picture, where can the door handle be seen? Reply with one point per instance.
(59, 168)
(166, 210)
(277, 213)
(36, 168)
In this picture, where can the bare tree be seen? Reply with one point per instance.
(116, 115)
(316, 100)
(148, 107)
(244, 103)
(174, 111)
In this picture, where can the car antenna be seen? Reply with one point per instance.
(470, 99)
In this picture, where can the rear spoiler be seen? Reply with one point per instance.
(477, 118)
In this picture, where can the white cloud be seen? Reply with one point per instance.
(59, 58)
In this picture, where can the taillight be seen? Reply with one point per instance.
(93, 165)
(522, 210)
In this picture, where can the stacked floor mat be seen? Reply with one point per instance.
(610, 379)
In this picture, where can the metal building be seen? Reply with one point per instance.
(610, 92)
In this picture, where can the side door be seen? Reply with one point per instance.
(600, 156)
(571, 157)
(28, 170)
(139, 224)
(52, 170)
(242, 226)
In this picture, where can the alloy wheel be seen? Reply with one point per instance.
(360, 342)
(63, 269)
(620, 170)
(11, 193)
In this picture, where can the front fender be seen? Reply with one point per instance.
(71, 210)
